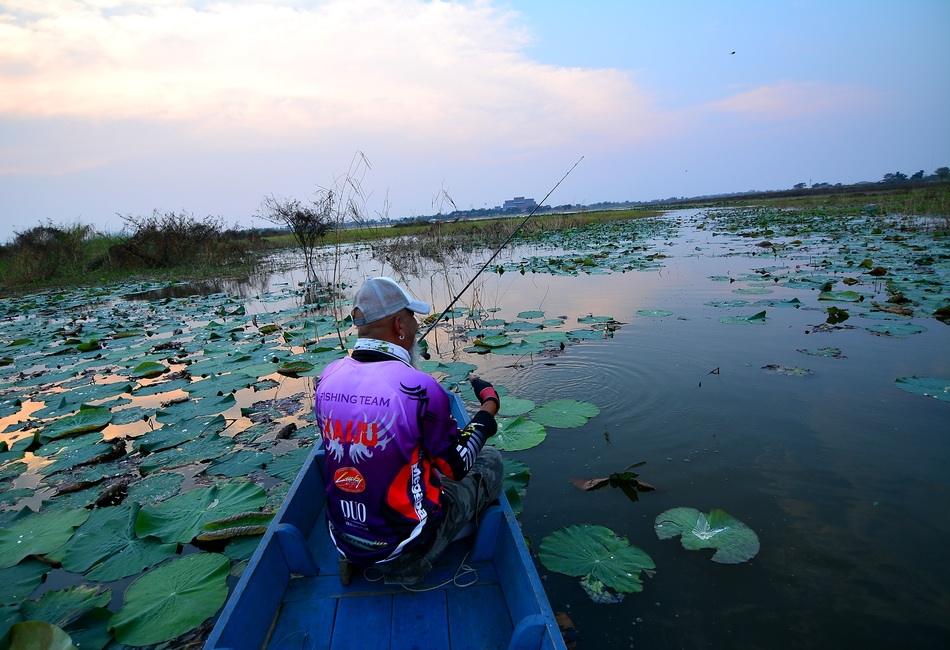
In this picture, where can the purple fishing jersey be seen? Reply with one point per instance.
(388, 437)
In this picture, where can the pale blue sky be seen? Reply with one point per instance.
(109, 107)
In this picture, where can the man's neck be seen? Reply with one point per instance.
(386, 347)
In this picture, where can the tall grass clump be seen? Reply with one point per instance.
(48, 252)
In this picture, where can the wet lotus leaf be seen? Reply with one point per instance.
(285, 467)
(517, 434)
(90, 392)
(55, 405)
(201, 449)
(565, 413)
(516, 478)
(89, 418)
(520, 326)
(106, 544)
(841, 296)
(493, 322)
(294, 368)
(597, 553)
(155, 488)
(9, 616)
(18, 582)
(528, 315)
(255, 432)
(91, 629)
(190, 409)
(752, 291)
(791, 371)
(130, 415)
(552, 322)
(63, 606)
(584, 334)
(72, 500)
(493, 341)
(172, 599)
(733, 540)
(595, 319)
(242, 548)
(148, 370)
(38, 635)
(936, 387)
(792, 302)
(894, 328)
(180, 518)
(829, 352)
(547, 336)
(9, 406)
(67, 453)
(758, 317)
(239, 463)
(161, 387)
(221, 385)
(36, 534)
(519, 349)
(512, 406)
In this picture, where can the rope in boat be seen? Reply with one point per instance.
(458, 578)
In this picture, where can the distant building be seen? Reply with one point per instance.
(520, 203)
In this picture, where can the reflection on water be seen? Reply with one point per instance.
(252, 285)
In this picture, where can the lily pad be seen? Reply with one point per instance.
(240, 463)
(294, 368)
(180, 519)
(828, 352)
(897, 329)
(89, 418)
(841, 296)
(528, 315)
(285, 467)
(63, 606)
(517, 434)
(155, 488)
(936, 387)
(596, 553)
(733, 540)
(516, 477)
(38, 635)
(148, 370)
(758, 317)
(654, 313)
(791, 371)
(36, 534)
(172, 599)
(18, 582)
(512, 406)
(107, 545)
(497, 341)
(564, 413)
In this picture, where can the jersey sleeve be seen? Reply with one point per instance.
(453, 450)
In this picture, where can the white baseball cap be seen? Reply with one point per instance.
(381, 297)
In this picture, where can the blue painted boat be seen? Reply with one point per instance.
(291, 594)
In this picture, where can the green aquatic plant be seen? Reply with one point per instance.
(515, 484)
(733, 540)
(598, 556)
(517, 434)
(936, 387)
(565, 413)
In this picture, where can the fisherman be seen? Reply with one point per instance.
(402, 480)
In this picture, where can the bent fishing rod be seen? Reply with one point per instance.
(498, 250)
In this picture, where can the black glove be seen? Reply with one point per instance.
(484, 391)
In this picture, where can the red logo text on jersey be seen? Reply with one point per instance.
(349, 479)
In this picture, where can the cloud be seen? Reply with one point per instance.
(425, 74)
(790, 100)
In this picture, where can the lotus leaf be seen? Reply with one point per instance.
(517, 434)
(936, 387)
(733, 540)
(595, 319)
(758, 317)
(841, 296)
(595, 553)
(36, 534)
(516, 478)
(38, 635)
(9, 616)
(180, 518)
(752, 291)
(493, 322)
(829, 352)
(19, 581)
(528, 315)
(294, 368)
(519, 349)
(148, 370)
(161, 387)
(107, 545)
(172, 599)
(242, 548)
(512, 406)
(240, 463)
(91, 629)
(564, 413)
(584, 334)
(791, 371)
(520, 326)
(493, 341)
(63, 606)
(207, 447)
(191, 409)
(155, 488)
(67, 453)
(130, 415)
(89, 418)
(654, 313)
(285, 467)
(897, 329)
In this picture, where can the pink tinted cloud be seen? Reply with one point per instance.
(791, 100)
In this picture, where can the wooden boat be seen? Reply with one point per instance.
(291, 594)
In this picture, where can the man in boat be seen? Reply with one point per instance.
(402, 480)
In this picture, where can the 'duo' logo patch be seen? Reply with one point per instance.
(349, 479)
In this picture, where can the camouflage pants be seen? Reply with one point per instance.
(464, 502)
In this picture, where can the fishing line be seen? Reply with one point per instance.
(498, 250)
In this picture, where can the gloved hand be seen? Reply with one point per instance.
(484, 391)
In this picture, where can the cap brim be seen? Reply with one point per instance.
(418, 307)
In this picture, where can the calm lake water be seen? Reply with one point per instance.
(842, 475)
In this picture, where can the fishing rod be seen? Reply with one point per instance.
(498, 250)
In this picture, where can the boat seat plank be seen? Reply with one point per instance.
(303, 625)
(420, 621)
(478, 618)
(363, 623)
